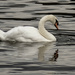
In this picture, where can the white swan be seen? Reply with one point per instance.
(31, 34)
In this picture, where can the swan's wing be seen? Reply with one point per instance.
(24, 34)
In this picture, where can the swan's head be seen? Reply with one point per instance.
(54, 20)
(50, 18)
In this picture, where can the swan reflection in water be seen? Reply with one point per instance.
(43, 49)
(55, 56)
(36, 51)
(31, 51)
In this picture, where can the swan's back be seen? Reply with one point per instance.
(2, 35)
(24, 34)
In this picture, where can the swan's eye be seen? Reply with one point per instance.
(57, 22)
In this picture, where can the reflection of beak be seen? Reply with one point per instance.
(56, 25)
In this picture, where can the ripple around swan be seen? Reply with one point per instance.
(33, 58)
(22, 19)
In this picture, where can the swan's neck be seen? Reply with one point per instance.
(43, 31)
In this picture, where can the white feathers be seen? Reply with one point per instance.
(28, 33)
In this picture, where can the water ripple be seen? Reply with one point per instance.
(33, 58)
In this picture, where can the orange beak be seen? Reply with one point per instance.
(56, 26)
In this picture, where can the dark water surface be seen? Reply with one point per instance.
(34, 58)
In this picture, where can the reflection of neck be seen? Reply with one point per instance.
(43, 31)
(43, 49)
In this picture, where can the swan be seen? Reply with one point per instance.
(31, 34)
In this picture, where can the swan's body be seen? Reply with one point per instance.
(30, 34)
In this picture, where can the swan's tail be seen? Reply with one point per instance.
(2, 35)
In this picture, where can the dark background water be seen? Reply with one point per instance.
(33, 58)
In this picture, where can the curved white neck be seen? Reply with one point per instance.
(43, 31)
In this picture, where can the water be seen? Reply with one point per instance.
(33, 58)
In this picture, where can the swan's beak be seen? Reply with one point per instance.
(56, 25)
